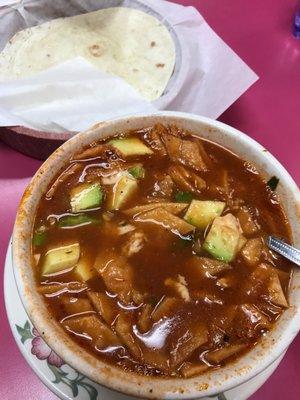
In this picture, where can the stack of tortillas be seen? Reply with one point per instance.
(121, 41)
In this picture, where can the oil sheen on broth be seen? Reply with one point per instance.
(150, 250)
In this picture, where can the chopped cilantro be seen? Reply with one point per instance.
(137, 172)
(39, 238)
(183, 197)
(273, 182)
(76, 220)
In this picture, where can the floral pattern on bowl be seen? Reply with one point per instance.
(63, 380)
(43, 352)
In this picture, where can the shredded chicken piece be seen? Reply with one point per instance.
(134, 244)
(226, 282)
(182, 280)
(122, 230)
(179, 286)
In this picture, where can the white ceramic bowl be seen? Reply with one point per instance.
(258, 359)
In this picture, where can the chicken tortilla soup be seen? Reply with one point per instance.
(150, 250)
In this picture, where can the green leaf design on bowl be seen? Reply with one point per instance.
(27, 332)
(62, 377)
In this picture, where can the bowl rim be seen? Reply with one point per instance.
(208, 384)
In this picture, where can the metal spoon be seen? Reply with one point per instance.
(287, 251)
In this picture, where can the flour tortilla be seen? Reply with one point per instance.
(122, 41)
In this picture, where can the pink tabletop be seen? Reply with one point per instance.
(260, 32)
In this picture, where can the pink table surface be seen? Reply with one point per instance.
(259, 31)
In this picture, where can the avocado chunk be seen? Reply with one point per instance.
(60, 258)
(202, 213)
(130, 146)
(122, 191)
(85, 196)
(223, 239)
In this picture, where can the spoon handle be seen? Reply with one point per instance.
(287, 251)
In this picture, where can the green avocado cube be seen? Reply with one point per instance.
(85, 196)
(60, 259)
(223, 238)
(202, 213)
(122, 191)
(131, 146)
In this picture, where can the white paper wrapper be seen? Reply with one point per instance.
(72, 96)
